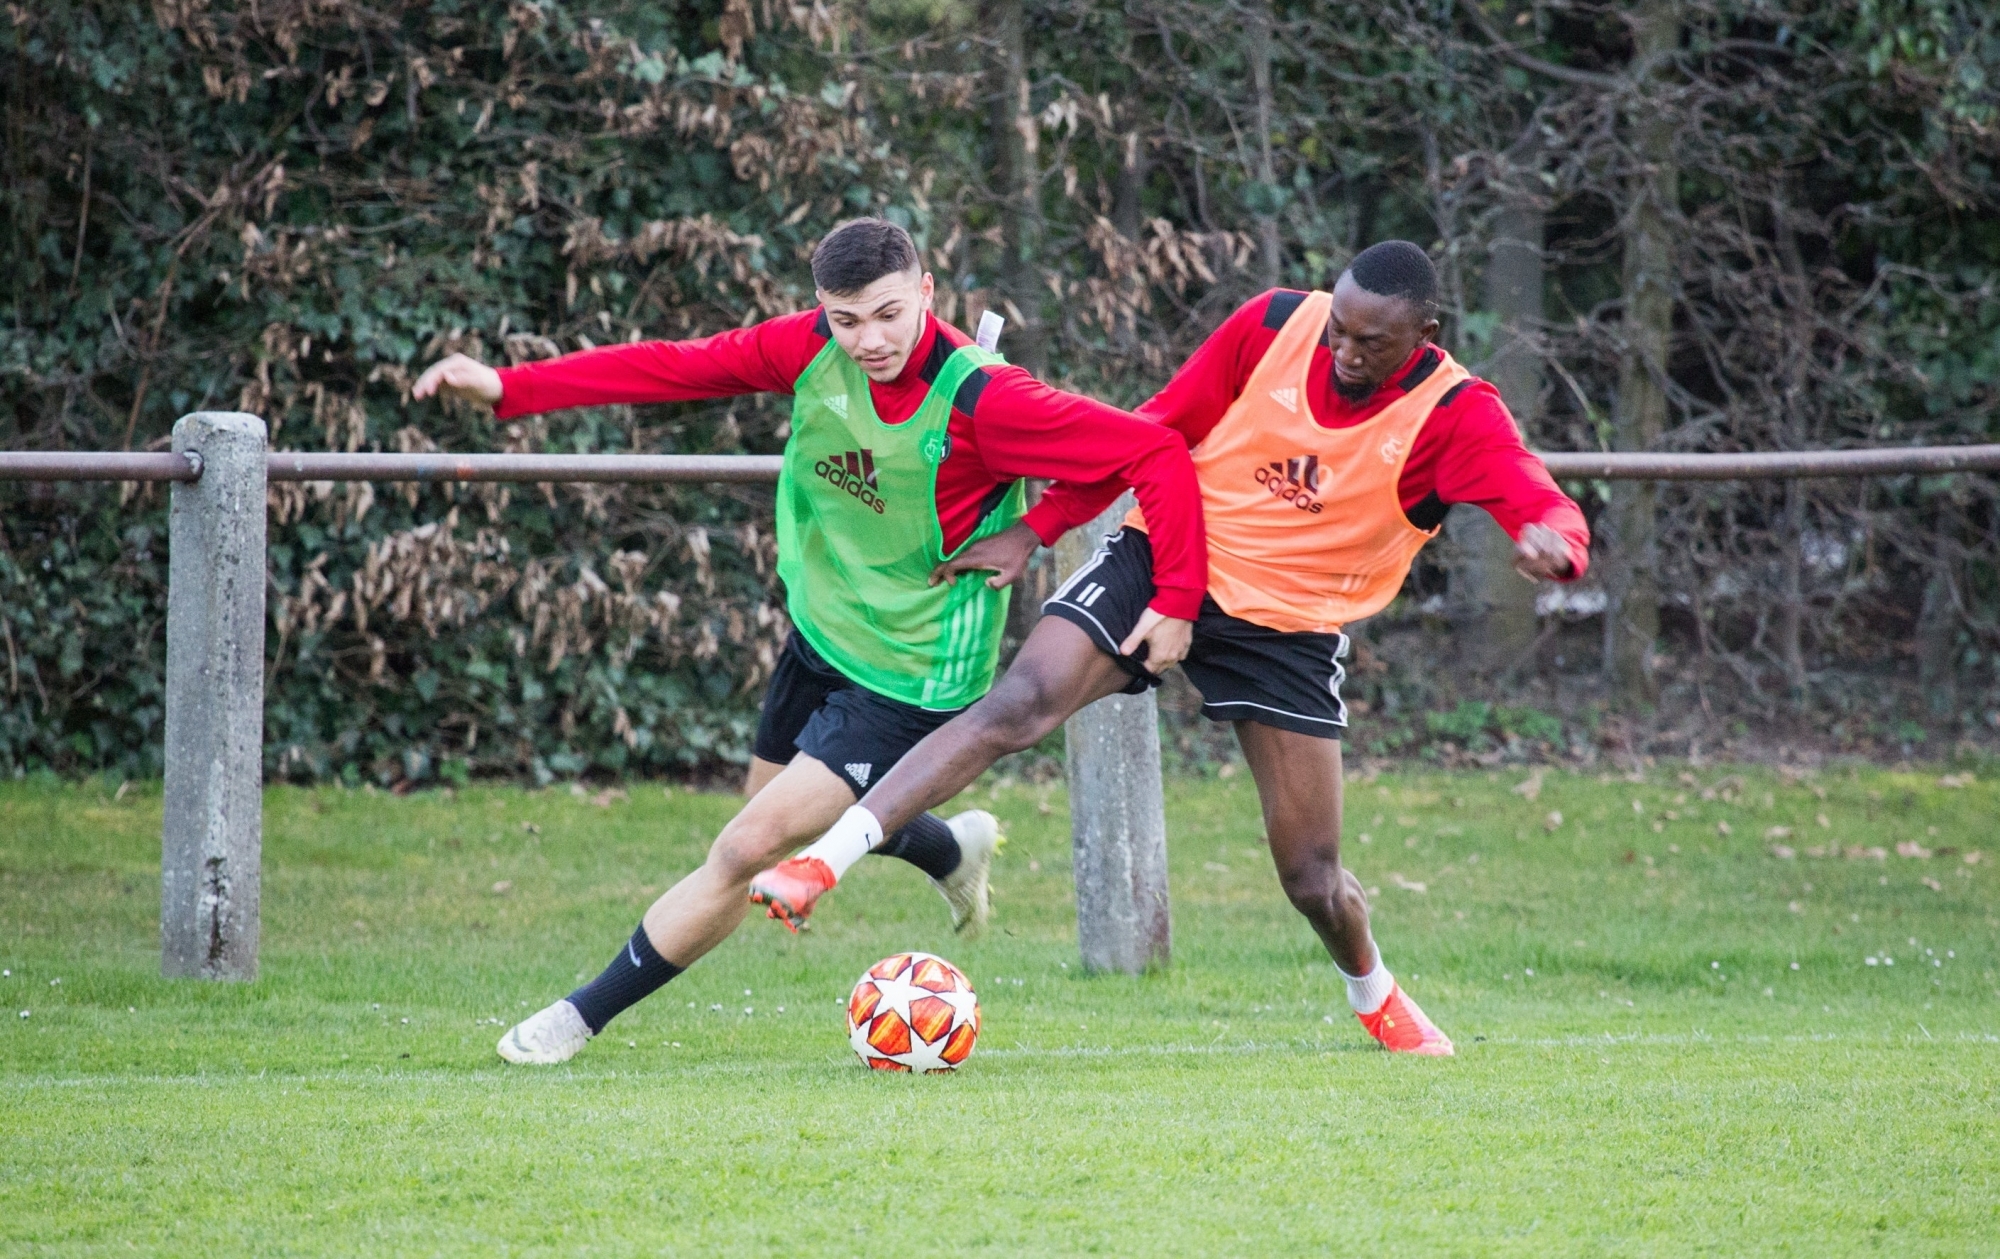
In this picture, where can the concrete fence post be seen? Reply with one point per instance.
(1117, 813)
(214, 828)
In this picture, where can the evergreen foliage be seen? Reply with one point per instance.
(290, 206)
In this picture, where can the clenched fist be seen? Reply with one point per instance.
(1541, 554)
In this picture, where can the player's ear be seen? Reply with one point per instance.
(926, 290)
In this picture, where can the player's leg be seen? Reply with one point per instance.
(1067, 662)
(1298, 781)
(863, 737)
(692, 916)
(1057, 671)
(1282, 693)
(557, 1032)
(760, 774)
(700, 911)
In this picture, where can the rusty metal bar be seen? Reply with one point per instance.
(80, 465)
(753, 469)
(1890, 461)
(302, 466)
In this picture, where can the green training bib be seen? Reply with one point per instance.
(858, 536)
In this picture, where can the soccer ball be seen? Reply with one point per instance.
(913, 1012)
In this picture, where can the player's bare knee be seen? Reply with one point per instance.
(1314, 888)
(744, 848)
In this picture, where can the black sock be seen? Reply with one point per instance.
(635, 974)
(926, 843)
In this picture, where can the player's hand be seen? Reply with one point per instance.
(1542, 554)
(459, 376)
(1166, 639)
(1005, 555)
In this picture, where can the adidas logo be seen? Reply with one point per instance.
(853, 473)
(1293, 480)
(838, 403)
(1287, 398)
(859, 771)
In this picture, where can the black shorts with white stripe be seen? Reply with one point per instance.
(814, 708)
(1244, 671)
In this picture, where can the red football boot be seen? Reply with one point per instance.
(1403, 1029)
(790, 889)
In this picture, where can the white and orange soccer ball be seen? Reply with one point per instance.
(913, 1012)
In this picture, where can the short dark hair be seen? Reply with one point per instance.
(859, 252)
(1398, 268)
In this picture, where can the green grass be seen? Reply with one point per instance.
(1663, 1082)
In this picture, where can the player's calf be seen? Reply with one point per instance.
(1335, 903)
(1332, 900)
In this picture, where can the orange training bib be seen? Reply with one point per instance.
(1305, 527)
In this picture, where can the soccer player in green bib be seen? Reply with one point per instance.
(909, 442)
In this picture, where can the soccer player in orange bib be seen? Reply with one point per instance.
(1330, 435)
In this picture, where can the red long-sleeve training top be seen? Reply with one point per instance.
(1469, 451)
(1004, 425)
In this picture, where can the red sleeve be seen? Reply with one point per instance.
(763, 358)
(1028, 429)
(1471, 452)
(1066, 505)
(1191, 404)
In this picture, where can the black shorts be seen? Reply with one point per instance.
(1244, 671)
(814, 708)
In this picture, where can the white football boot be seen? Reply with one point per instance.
(546, 1037)
(965, 889)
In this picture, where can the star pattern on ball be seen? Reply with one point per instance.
(913, 1012)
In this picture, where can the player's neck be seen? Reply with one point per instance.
(1337, 410)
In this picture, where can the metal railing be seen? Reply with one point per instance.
(655, 469)
(212, 834)
(1772, 464)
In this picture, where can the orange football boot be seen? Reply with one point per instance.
(790, 889)
(1403, 1028)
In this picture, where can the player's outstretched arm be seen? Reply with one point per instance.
(1482, 462)
(763, 358)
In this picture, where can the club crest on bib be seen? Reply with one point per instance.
(852, 472)
(1295, 481)
(937, 447)
(1392, 449)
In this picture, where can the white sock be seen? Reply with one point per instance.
(853, 837)
(1366, 993)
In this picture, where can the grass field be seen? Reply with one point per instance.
(1671, 1040)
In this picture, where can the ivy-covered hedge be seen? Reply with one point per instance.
(286, 208)
(289, 206)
